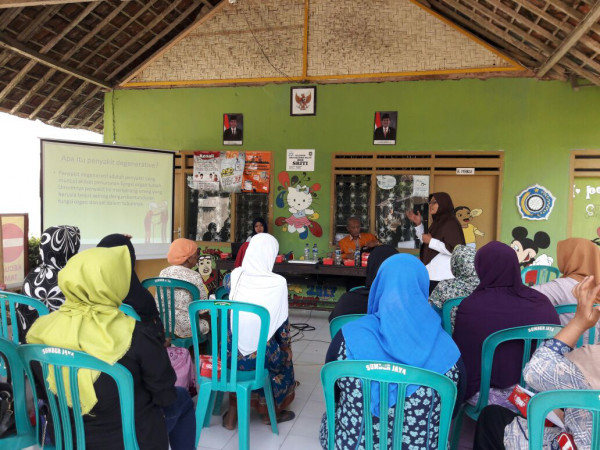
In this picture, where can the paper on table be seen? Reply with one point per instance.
(297, 261)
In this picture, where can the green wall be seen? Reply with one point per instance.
(536, 124)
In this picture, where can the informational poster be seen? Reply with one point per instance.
(232, 171)
(257, 172)
(14, 249)
(585, 218)
(207, 168)
(300, 160)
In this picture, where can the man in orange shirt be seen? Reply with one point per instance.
(348, 244)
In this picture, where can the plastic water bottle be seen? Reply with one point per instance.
(315, 253)
(306, 252)
(357, 255)
(338, 256)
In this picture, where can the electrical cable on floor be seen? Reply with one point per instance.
(301, 327)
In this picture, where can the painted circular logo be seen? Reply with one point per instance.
(535, 203)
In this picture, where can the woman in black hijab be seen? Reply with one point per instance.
(258, 226)
(356, 302)
(138, 297)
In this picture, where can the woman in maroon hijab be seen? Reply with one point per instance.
(500, 301)
(445, 233)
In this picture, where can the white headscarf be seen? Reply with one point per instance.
(254, 282)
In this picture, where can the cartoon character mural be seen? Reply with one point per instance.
(299, 200)
(205, 268)
(465, 215)
(527, 249)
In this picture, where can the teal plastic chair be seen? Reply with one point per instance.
(356, 288)
(25, 436)
(165, 294)
(8, 302)
(591, 333)
(528, 334)
(71, 361)
(128, 310)
(386, 373)
(221, 293)
(541, 404)
(224, 316)
(544, 273)
(340, 321)
(447, 312)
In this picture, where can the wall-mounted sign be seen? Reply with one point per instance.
(465, 171)
(13, 249)
(300, 160)
(535, 203)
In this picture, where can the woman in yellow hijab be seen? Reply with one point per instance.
(94, 283)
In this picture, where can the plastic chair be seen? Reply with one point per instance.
(165, 294)
(544, 273)
(242, 383)
(128, 310)
(340, 321)
(68, 363)
(591, 333)
(447, 312)
(356, 288)
(386, 373)
(221, 293)
(25, 436)
(11, 299)
(541, 404)
(528, 334)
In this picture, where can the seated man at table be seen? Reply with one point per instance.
(349, 243)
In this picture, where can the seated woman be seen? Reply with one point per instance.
(57, 245)
(355, 302)
(183, 255)
(400, 327)
(138, 297)
(555, 365)
(255, 282)
(462, 264)
(500, 301)
(94, 284)
(258, 226)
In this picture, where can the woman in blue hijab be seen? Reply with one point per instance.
(400, 327)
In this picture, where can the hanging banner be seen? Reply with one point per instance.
(14, 249)
(257, 172)
(232, 171)
(206, 171)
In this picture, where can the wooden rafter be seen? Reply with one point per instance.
(8, 17)
(21, 3)
(155, 39)
(16, 46)
(66, 103)
(75, 111)
(584, 26)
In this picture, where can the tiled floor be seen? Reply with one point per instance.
(302, 433)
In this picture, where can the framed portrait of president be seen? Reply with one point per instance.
(384, 132)
(233, 129)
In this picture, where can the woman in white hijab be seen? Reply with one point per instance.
(255, 282)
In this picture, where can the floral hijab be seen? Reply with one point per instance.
(466, 280)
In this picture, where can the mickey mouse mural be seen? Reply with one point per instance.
(527, 249)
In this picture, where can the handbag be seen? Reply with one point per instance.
(7, 415)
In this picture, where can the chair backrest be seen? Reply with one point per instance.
(8, 301)
(356, 288)
(224, 316)
(544, 273)
(447, 312)
(68, 363)
(17, 379)
(528, 334)
(386, 373)
(221, 293)
(165, 296)
(340, 321)
(571, 308)
(541, 404)
(128, 310)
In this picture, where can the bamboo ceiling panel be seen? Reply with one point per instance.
(226, 47)
(388, 36)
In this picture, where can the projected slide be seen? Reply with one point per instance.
(106, 189)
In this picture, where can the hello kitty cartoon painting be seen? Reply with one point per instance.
(299, 200)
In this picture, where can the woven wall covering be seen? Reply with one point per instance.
(356, 37)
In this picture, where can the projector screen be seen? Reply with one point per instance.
(105, 189)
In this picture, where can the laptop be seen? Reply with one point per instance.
(235, 248)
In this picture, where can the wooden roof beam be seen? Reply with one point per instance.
(48, 97)
(8, 17)
(66, 103)
(21, 3)
(75, 111)
(16, 46)
(584, 26)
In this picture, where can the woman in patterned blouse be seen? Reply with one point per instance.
(399, 327)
